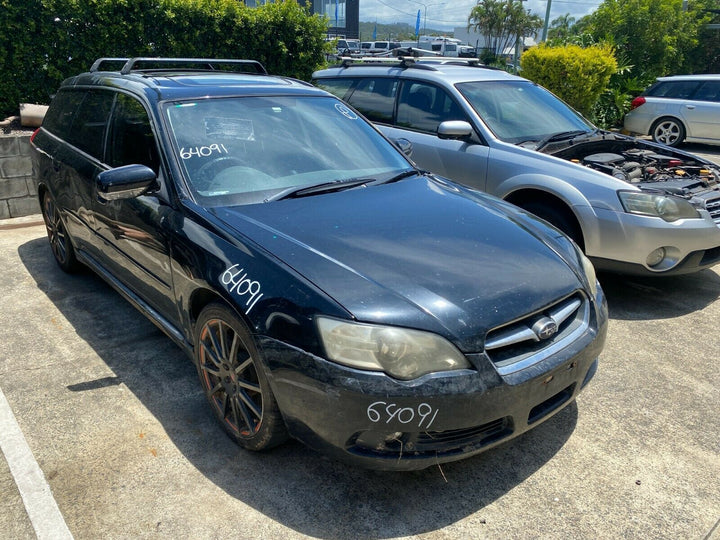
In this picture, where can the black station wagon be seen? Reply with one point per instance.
(325, 288)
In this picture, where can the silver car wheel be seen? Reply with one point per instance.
(668, 131)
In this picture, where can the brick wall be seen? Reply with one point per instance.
(18, 196)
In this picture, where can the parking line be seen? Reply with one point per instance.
(40, 505)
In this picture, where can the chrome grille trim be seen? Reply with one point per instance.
(713, 207)
(558, 314)
(572, 315)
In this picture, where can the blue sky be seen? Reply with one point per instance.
(447, 14)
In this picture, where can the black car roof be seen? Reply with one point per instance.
(178, 78)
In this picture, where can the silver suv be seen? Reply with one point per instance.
(633, 206)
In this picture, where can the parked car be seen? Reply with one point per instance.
(633, 206)
(677, 109)
(347, 47)
(383, 47)
(324, 287)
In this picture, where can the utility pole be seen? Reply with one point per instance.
(547, 21)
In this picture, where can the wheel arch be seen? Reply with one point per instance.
(524, 197)
(203, 297)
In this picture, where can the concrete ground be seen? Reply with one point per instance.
(112, 414)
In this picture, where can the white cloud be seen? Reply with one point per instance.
(447, 14)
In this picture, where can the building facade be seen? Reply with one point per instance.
(344, 15)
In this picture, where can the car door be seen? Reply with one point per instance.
(136, 231)
(421, 107)
(702, 111)
(77, 122)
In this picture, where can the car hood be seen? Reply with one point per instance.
(420, 253)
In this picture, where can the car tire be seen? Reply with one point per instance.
(60, 242)
(232, 375)
(668, 131)
(558, 218)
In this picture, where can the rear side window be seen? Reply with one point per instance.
(337, 87)
(375, 98)
(60, 114)
(673, 89)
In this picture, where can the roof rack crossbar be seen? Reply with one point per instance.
(131, 64)
(400, 61)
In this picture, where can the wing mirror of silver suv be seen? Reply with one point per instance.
(454, 129)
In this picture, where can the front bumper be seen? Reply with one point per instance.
(622, 242)
(372, 420)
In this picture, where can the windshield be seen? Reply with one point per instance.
(520, 111)
(246, 150)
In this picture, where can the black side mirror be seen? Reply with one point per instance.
(404, 146)
(124, 182)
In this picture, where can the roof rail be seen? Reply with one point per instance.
(199, 64)
(100, 61)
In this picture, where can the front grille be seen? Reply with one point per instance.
(522, 343)
(713, 206)
(431, 441)
(435, 443)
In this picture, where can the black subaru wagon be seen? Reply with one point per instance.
(325, 288)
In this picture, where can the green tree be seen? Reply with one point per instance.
(502, 22)
(561, 27)
(655, 36)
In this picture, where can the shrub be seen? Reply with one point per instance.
(575, 74)
(47, 41)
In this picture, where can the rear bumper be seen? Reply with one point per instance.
(377, 422)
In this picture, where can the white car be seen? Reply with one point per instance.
(677, 109)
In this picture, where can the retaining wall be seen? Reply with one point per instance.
(18, 195)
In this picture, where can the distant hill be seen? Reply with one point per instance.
(398, 31)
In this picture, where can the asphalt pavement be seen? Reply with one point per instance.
(115, 433)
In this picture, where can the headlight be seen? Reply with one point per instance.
(666, 207)
(399, 352)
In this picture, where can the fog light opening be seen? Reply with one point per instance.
(656, 257)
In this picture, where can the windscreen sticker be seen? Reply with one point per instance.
(243, 286)
(345, 111)
(202, 151)
(229, 128)
(383, 412)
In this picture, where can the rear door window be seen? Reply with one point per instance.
(88, 126)
(375, 98)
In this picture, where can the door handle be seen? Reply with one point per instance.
(690, 106)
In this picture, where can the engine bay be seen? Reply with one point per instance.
(642, 164)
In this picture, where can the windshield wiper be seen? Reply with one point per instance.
(555, 137)
(335, 185)
(399, 176)
(321, 187)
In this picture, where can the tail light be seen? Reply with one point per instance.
(32, 137)
(637, 102)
